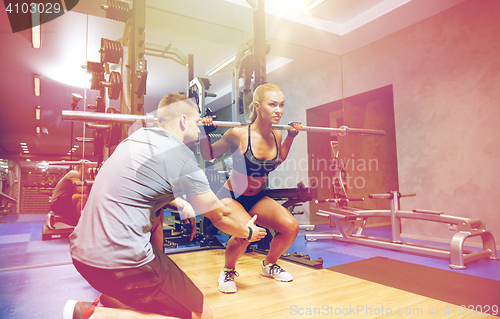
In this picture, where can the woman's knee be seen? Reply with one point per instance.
(289, 226)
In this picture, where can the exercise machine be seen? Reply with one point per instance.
(347, 219)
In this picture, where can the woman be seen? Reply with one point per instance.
(257, 150)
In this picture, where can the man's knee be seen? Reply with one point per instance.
(206, 314)
(79, 199)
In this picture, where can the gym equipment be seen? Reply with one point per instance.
(71, 163)
(339, 175)
(117, 10)
(250, 63)
(75, 99)
(111, 51)
(292, 196)
(58, 233)
(112, 135)
(149, 120)
(197, 90)
(114, 85)
(96, 69)
(346, 220)
(84, 183)
(179, 234)
(7, 198)
(339, 200)
(304, 259)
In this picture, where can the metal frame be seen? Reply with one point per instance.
(344, 220)
(255, 50)
(136, 56)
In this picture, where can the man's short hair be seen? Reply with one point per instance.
(173, 105)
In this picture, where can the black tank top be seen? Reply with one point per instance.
(251, 166)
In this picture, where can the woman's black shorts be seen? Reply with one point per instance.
(246, 201)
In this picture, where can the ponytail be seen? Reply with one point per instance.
(253, 112)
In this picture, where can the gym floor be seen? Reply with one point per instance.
(37, 277)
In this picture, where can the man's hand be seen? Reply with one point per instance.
(192, 221)
(258, 232)
(187, 213)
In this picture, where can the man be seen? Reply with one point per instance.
(68, 199)
(111, 245)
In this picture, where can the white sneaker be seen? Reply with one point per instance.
(226, 281)
(275, 271)
(51, 220)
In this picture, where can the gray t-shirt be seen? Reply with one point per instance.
(65, 188)
(146, 171)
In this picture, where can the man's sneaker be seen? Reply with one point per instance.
(79, 310)
(51, 220)
(275, 271)
(226, 281)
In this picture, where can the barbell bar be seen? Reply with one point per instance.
(72, 163)
(150, 120)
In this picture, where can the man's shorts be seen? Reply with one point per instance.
(65, 208)
(159, 287)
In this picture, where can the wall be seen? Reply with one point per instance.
(319, 86)
(35, 193)
(446, 77)
(445, 73)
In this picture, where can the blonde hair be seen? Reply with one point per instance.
(172, 106)
(258, 96)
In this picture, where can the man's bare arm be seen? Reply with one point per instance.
(224, 218)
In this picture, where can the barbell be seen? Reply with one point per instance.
(150, 120)
(87, 163)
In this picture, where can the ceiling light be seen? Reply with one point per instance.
(26, 151)
(38, 130)
(314, 4)
(28, 160)
(36, 40)
(221, 65)
(36, 84)
(38, 112)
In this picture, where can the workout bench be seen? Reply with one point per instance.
(345, 220)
